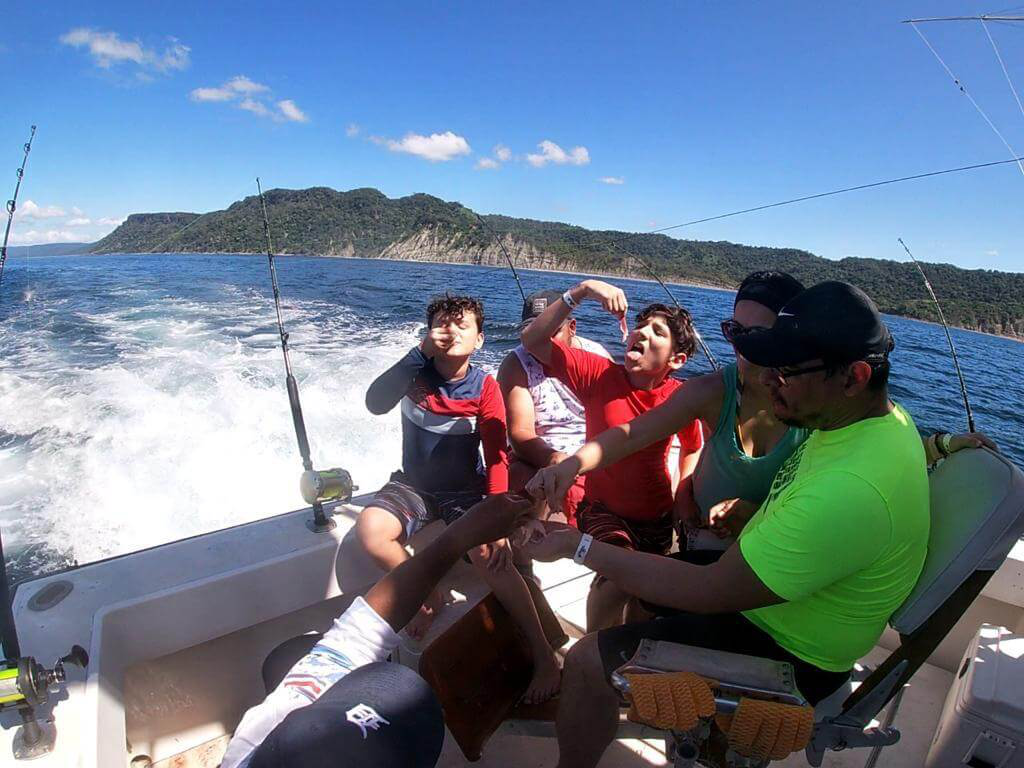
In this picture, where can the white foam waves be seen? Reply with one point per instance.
(186, 428)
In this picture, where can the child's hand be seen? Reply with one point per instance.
(437, 340)
(727, 518)
(531, 530)
(500, 556)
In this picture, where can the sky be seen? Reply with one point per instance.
(606, 115)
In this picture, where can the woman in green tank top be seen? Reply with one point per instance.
(748, 444)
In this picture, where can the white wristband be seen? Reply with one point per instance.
(945, 441)
(569, 300)
(584, 547)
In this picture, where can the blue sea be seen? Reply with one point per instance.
(142, 397)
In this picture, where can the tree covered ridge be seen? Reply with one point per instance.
(365, 223)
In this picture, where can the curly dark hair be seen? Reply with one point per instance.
(454, 306)
(680, 325)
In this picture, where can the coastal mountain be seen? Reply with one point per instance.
(49, 249)
(365, 223)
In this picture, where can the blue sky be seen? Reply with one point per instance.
(628, 116)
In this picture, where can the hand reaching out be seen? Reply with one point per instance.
(727, 518)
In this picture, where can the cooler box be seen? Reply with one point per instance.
(982, 723)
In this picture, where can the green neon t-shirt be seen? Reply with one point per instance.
(841, 538)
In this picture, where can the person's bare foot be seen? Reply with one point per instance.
(418, 627)
(547, 679)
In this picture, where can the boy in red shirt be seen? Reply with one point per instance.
(629, 503)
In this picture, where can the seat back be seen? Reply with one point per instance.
(977, 515)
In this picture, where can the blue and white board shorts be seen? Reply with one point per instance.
(416, 509)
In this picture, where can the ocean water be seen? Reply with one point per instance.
(142, 397)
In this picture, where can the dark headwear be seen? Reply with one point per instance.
(834, 321)
(377, 716)
(770, 289)
(537, 302)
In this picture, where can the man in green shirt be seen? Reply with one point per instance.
(819, 567)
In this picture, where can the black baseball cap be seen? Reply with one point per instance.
(537, 302)
(833, 321)
(378, 716)
(768, 288)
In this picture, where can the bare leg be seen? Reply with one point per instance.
(605, 605)
(635, 612)
(381, 534)
(510, 589)
(587, 708)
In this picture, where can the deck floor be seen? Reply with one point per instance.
(157, 730)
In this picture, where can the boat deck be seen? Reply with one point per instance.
(177, 635)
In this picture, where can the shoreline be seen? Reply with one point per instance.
(704, 286)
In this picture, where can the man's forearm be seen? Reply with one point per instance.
(399, 594)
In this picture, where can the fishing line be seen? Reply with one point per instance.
(508, 258)
(791, 201)
(696, 332)
(963, 90)
(12, 204)
(949, 337)
(1002, 64)
(196, 220)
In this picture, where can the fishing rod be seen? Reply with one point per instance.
(12, 204)
(508, 258)
(315, 486)
(949, 337)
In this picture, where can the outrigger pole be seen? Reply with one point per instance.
(315, 497)
(949, 337)
(983, 17)
(12, 204)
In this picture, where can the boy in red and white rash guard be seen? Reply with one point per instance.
(449, 408)
(629, 503)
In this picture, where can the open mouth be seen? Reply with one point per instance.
(636, 351)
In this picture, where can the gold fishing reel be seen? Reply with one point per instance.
(319, 486)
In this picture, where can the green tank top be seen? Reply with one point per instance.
(724, 471)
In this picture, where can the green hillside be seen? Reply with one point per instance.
(366, 223)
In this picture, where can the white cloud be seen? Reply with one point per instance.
(991, 253)
(212, 94)
(291, 112)
(437, 147)
(76, 211)
(108, 49)
(486, 164)
(352, 130)
(235, 88)
(552, 153)
(256, 107)
(242, 84)
(33, 236)
(503, 153)
(612, 180)
(111, 222)
(79, 221)
(31, 210)
(248, 95)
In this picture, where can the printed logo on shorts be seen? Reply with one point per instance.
(365, 717)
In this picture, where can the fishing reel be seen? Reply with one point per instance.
(25, 685)
(325, 485)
